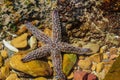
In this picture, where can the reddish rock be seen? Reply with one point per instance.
(92, 77)
(80, 75)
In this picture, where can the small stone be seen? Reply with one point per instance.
(92, 77)
(33, 42)
(103, 49)
(113, 50)
(113, 56)
(20, 41)
(1, 61)
(33, 68)
(93, 68)
(40, 78)
(68, 62)
(96, 57)
(1, 46)
(70, 76)
(80, 75)
(94, 47)
(85, 64)
(48, 32)
(12, 76)
(99, 67)
(4, 53)
(21, 30)
(4, 72)
(50, 63)
(105, 56)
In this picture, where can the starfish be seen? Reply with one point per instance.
(53, 45)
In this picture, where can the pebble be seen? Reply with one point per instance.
(33, 42)
(85, 64)
(80, 75)
(12, 76)
(33, 68)
(4, 53)
(1, 61)
(93, 46)
(22, 29)
(99, 67)
(70, 76)
(96, 57)
(113, 50)
(48, 32)
(20, 41)
(68, 62)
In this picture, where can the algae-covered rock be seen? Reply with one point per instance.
(114, 72)
(68, 62)
(33, 68)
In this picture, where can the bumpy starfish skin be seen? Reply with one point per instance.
(53, 46)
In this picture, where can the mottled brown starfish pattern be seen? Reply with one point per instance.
(53, 46)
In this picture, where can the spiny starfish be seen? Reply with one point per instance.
(53, 46)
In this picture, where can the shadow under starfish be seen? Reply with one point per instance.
(53, 46)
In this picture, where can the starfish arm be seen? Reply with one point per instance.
(57, 63)
(65, 47)
(56, 26)
(38, 33)
(36, 54)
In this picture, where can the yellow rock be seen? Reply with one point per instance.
(40, 78)
(96, 57)
(1, 60)
(4, 73)
(12, 76)
(48, 32)
(34, 67)
(99, 67)
(20, 41)
(50, 63)
(4, 53)
(85, 64)
(106, 56)
(93, 68)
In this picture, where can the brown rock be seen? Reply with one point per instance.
(33, 68)
(92, 77)
(80, 75)
(20, 41)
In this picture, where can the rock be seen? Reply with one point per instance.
(105, 56)
(81, 57)
(99, 67)
(20, 41)
(1, 61)
(92, 77)
(12, 76)
(70, 76)
(85, 64)
(103, 49)
(113, 56)
(114, 72)
(33, 68)
(80, 75)
(21, 30)
(4, 53)
(68, 62)
(93, 68)
(50, 63)
(40, 78)
(96, 57)
(113, 50)
(94, 47)
(48, 32)
(33, 42)
(4, 72)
